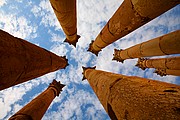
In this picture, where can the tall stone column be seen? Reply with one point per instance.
(21, 61)
(65, 11)
(130, 97)
(38, 106)
(164, 45)
(130, 15)
(172, 63)
(164, 72)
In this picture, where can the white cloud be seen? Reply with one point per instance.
(18, 26)
(80, 55)
(10, 96)
(17, 107)
(10, 101)
(20, 1)
(36, 10)
(59, 49)
(45, 12)
(72, 107)
(90, 14)
(3, 2)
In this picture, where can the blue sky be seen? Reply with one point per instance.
(35, 22)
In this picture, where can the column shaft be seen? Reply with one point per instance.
(164, 72)
(130, 15)
(164, 45)
(172, 63)
(38, 106)
(65, 11)
(125, 97)
(21, 61)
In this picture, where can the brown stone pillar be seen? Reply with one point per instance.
(38, 106)
(164, 72)
(134, 98)
(172, 63)
(164, 45)
(130, 15)
(65, 11)
(21, 61)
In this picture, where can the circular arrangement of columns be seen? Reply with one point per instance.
(123, 97)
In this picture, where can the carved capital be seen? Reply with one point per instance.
(66, 61)
(140, 63)
(57, 85)
(72, 42)
(161, 72)
(91, 49)
(117, 56)
(84, 69)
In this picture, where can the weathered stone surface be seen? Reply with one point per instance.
(38, 106)
(172, 63)
(164, 72)
(65, 11)
(130, 15)
(164, 45)
(135, 98)
(21, 61)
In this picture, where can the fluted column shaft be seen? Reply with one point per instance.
(125, 97)
(130, 15)
(65, 11)
(172, 63)
(21, 61)
(164, 45)
(38, 106)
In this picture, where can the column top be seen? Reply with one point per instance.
(73, 42)
(91, 49)
(84, 70)
(140, 63)
(161, 72)
(117, 56)
(57, 85)
(64, 57)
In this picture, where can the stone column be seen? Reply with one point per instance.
(65, 11)
(21, 61)
(164, 72)
(130, 15)
(38, 106)
(134, 98)
(164, 45)
(172, 63)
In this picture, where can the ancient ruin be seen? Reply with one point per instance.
(164, 72)
(38, 106)
(21, 61)
(123, 97)
(165, 45)
(163, 66)
(131, 15)
(131, 97)
(65, 11)
(160, 63)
